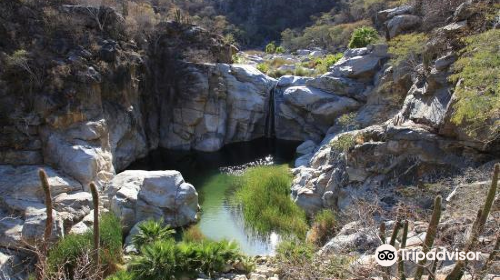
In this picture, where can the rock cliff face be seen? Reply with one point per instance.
(401, 133)
(213, 105)
(101, 104)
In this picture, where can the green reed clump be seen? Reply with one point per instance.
(264, 195)
(69, 250)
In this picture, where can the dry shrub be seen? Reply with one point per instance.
(323, 228)
(140, 19)
(434, 13)
(62, 25)
(198, 56)
(364, 212)
(327, 36)
(83, 267)
(360, 9)
(193, 234)
(115, 4)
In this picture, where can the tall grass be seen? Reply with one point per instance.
(69, 251)
(295, 251)
(264, 195)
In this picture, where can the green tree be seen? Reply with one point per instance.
(363, 36)
(271, 48)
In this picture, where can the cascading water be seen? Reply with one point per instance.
(270, 118)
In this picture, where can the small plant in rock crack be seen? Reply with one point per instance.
(343, 142)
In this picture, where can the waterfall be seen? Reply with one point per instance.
(269, 132)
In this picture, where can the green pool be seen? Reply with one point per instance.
(212, 175)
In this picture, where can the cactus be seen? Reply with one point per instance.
(382, 238)
(491, 258)
(432, 274)
(48, 205)
(430, 235)
(95, 199)
(477, 227)
(395, 232)
(382, 232)
(178, 16)
(401, 267)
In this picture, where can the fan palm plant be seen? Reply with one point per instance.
(160, 260)
(151, 231)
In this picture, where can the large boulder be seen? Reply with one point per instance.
(385, 100)
(79, 157)
(427, 101)
(127, 137)
(339, 86)
(23, 208)
(12, 266)
(353, 237)
(34, 226)
(384, 15)
(22, 192)
(11, 229)
(23, 182)
(401, 23)
(140, 195)
(306, 113)
(361, 63)
(218, 104)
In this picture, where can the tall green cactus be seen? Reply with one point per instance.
(95, 199)
(395, 232)
(404, 238)
(478, 226)
(49, 222)
(430, 235)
